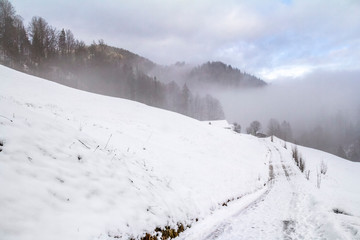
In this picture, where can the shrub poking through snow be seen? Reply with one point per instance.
(339, 211)
(323, 167)
(300, 162)
(166, 233)
(307, 174)
(159, 233)
(295, 155)
(323, 170)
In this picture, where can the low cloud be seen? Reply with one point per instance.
(305, 102)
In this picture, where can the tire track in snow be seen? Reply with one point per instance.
(220, 229)
(285, 210)
(289, 225)
(304, 221)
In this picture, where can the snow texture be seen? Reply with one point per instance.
(76, 165)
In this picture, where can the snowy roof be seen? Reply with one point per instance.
(219, 123)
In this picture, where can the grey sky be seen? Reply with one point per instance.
(271, 39)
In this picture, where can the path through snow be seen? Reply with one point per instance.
(286, 209)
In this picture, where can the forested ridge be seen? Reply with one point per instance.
(42, 50)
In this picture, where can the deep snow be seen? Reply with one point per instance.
(76, 165)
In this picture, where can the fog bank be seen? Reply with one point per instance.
(303, 102)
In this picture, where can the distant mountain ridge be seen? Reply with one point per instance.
(224, 75)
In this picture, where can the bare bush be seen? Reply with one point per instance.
(301, 164)
(323, 167)
(295, 155)
(299, 161)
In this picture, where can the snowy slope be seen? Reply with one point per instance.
(76, 165)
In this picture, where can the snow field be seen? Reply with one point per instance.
(77, 165)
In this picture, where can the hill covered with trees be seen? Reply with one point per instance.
(220, 74)
(42, 50)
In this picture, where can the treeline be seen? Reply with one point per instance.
(336, 135)
(274, 128)
(42, 50)
(220, 74)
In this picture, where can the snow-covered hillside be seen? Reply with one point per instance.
(76, 165)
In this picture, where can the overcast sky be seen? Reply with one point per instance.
(272, 39)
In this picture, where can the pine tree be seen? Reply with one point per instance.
(62, 43)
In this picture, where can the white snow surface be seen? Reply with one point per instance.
(220, 124)
(76, 165)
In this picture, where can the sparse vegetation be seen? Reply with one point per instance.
(323, 168)
(339, 211)
(1, 145)
(237, 127)
(295, 154)
(307, 174)
(160, 233)
(254, 128)
(271, 172)
(300, 162)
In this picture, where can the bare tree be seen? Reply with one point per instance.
(254, 128)
(62, 42)
(51, 42)
(38, 33)
(273, 127)
(70, 42)
(7, 29)
(237, 127)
